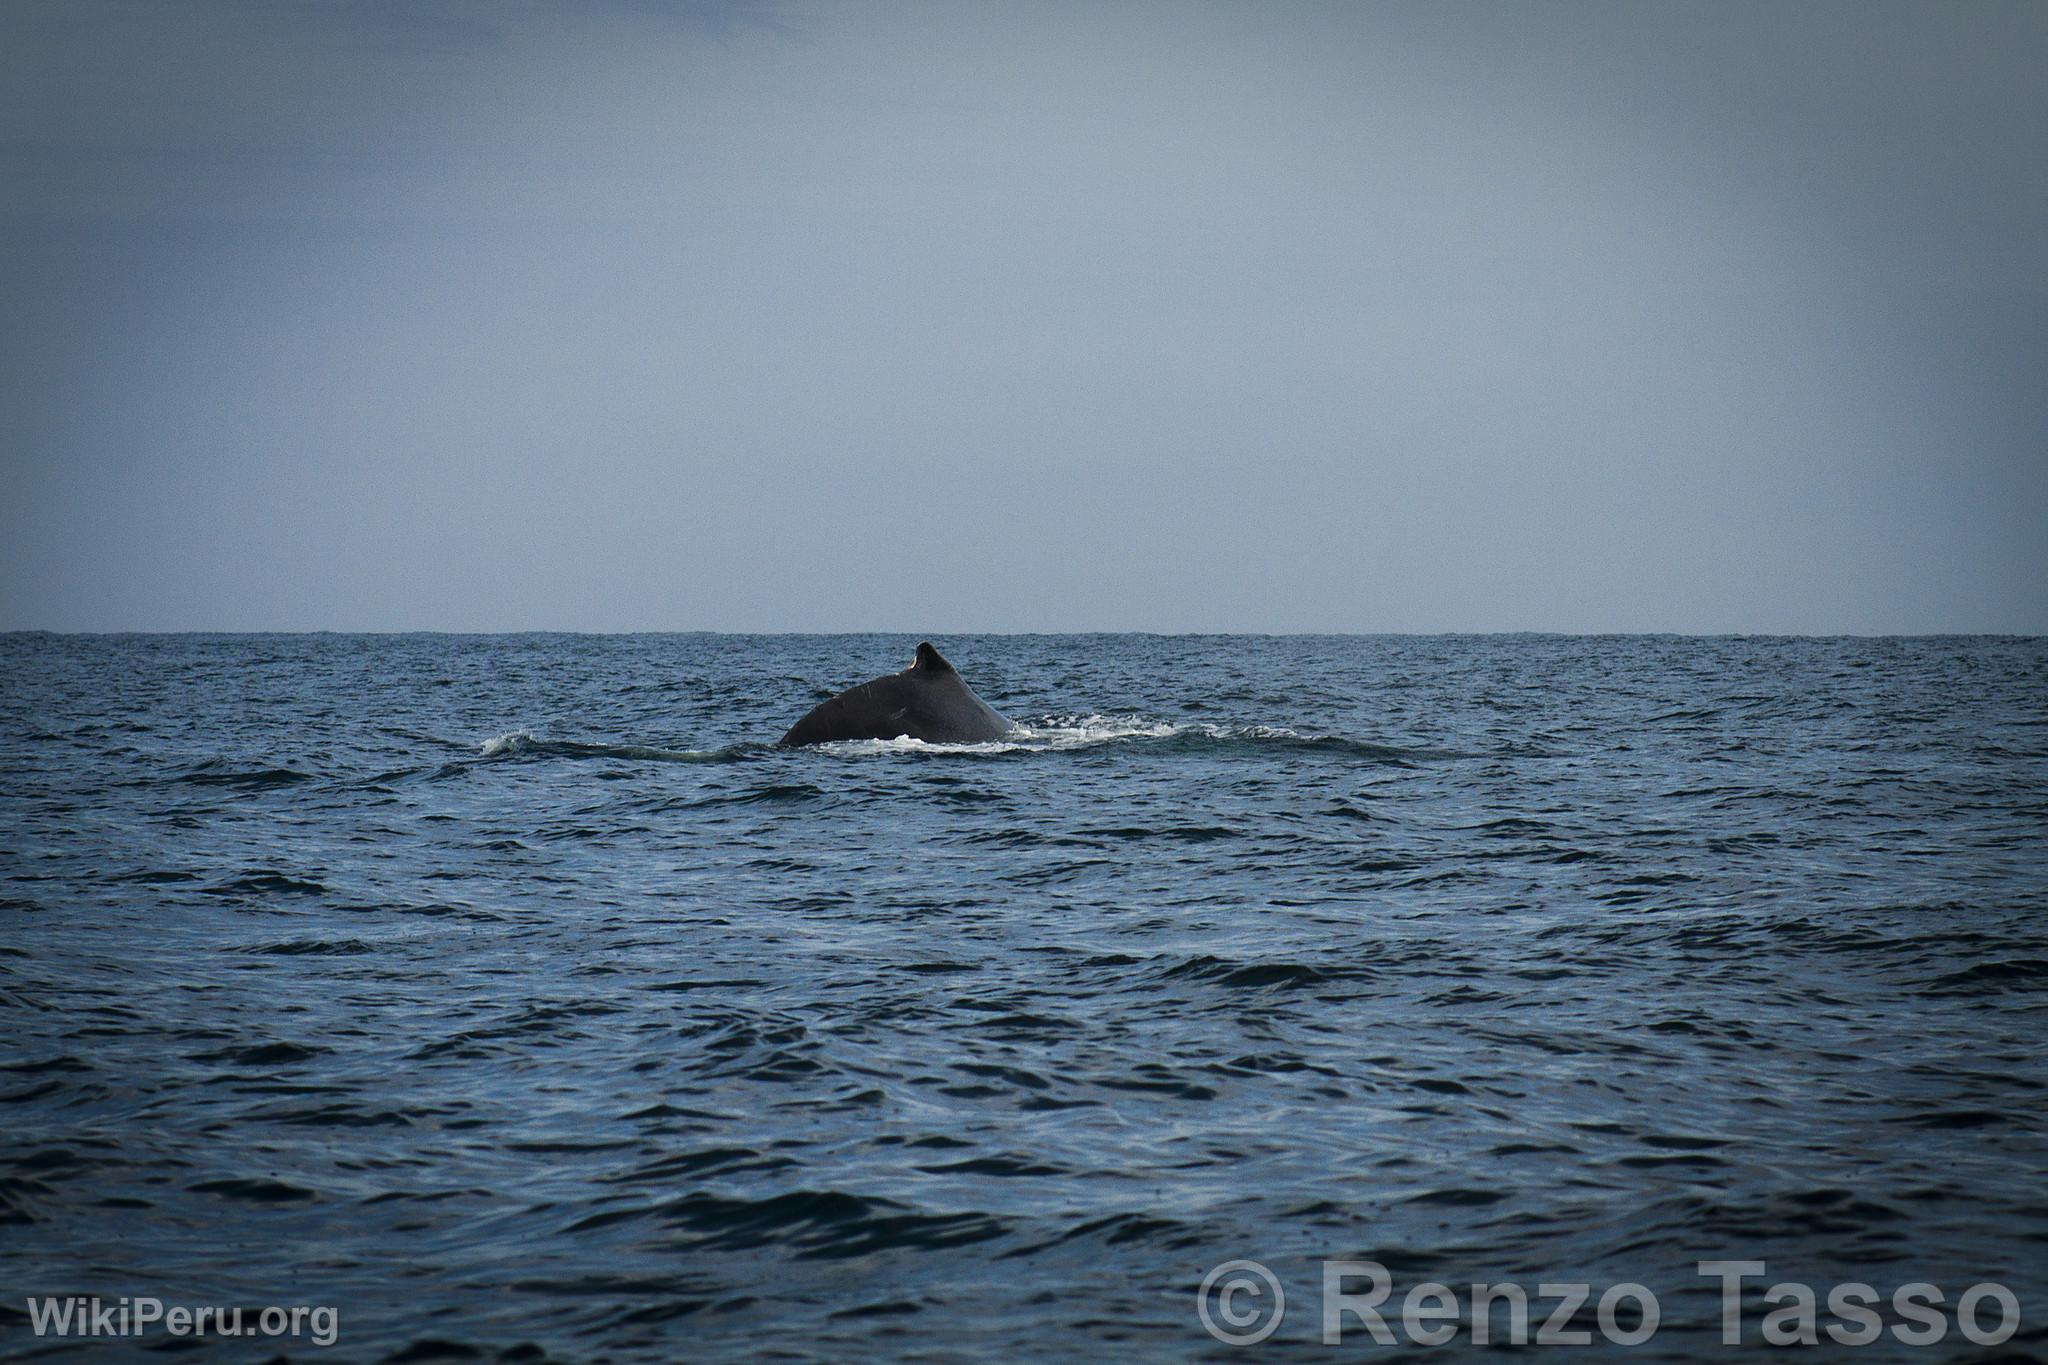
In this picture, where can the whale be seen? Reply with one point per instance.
(927, 701)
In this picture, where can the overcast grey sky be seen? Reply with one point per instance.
(629, 315)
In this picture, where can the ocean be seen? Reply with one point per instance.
(512, 997)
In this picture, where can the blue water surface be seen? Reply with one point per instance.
(516, 996)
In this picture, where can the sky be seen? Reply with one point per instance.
(976, 316)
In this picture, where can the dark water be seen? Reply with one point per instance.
(509, 994)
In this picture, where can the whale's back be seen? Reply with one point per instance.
(927, 701)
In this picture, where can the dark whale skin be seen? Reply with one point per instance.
(926, 701)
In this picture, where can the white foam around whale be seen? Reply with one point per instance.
(1064, 732)
(510, 743)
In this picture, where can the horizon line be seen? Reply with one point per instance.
(1214, 634)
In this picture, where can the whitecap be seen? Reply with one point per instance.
(516, 741)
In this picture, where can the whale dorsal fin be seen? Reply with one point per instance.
(929, 660)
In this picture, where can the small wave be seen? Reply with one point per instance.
(263, 881)
(318, 947)
(1259, 974)
(1076, 731)
(421, 737)
(217, 775)
(824, 1224)
(258, 1190)
(2011, 974)
(513, 742)
(1049, 734)
(262, 1054)
(523, 744)
(771, 794)
(1053, 734)
(1261, 739)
